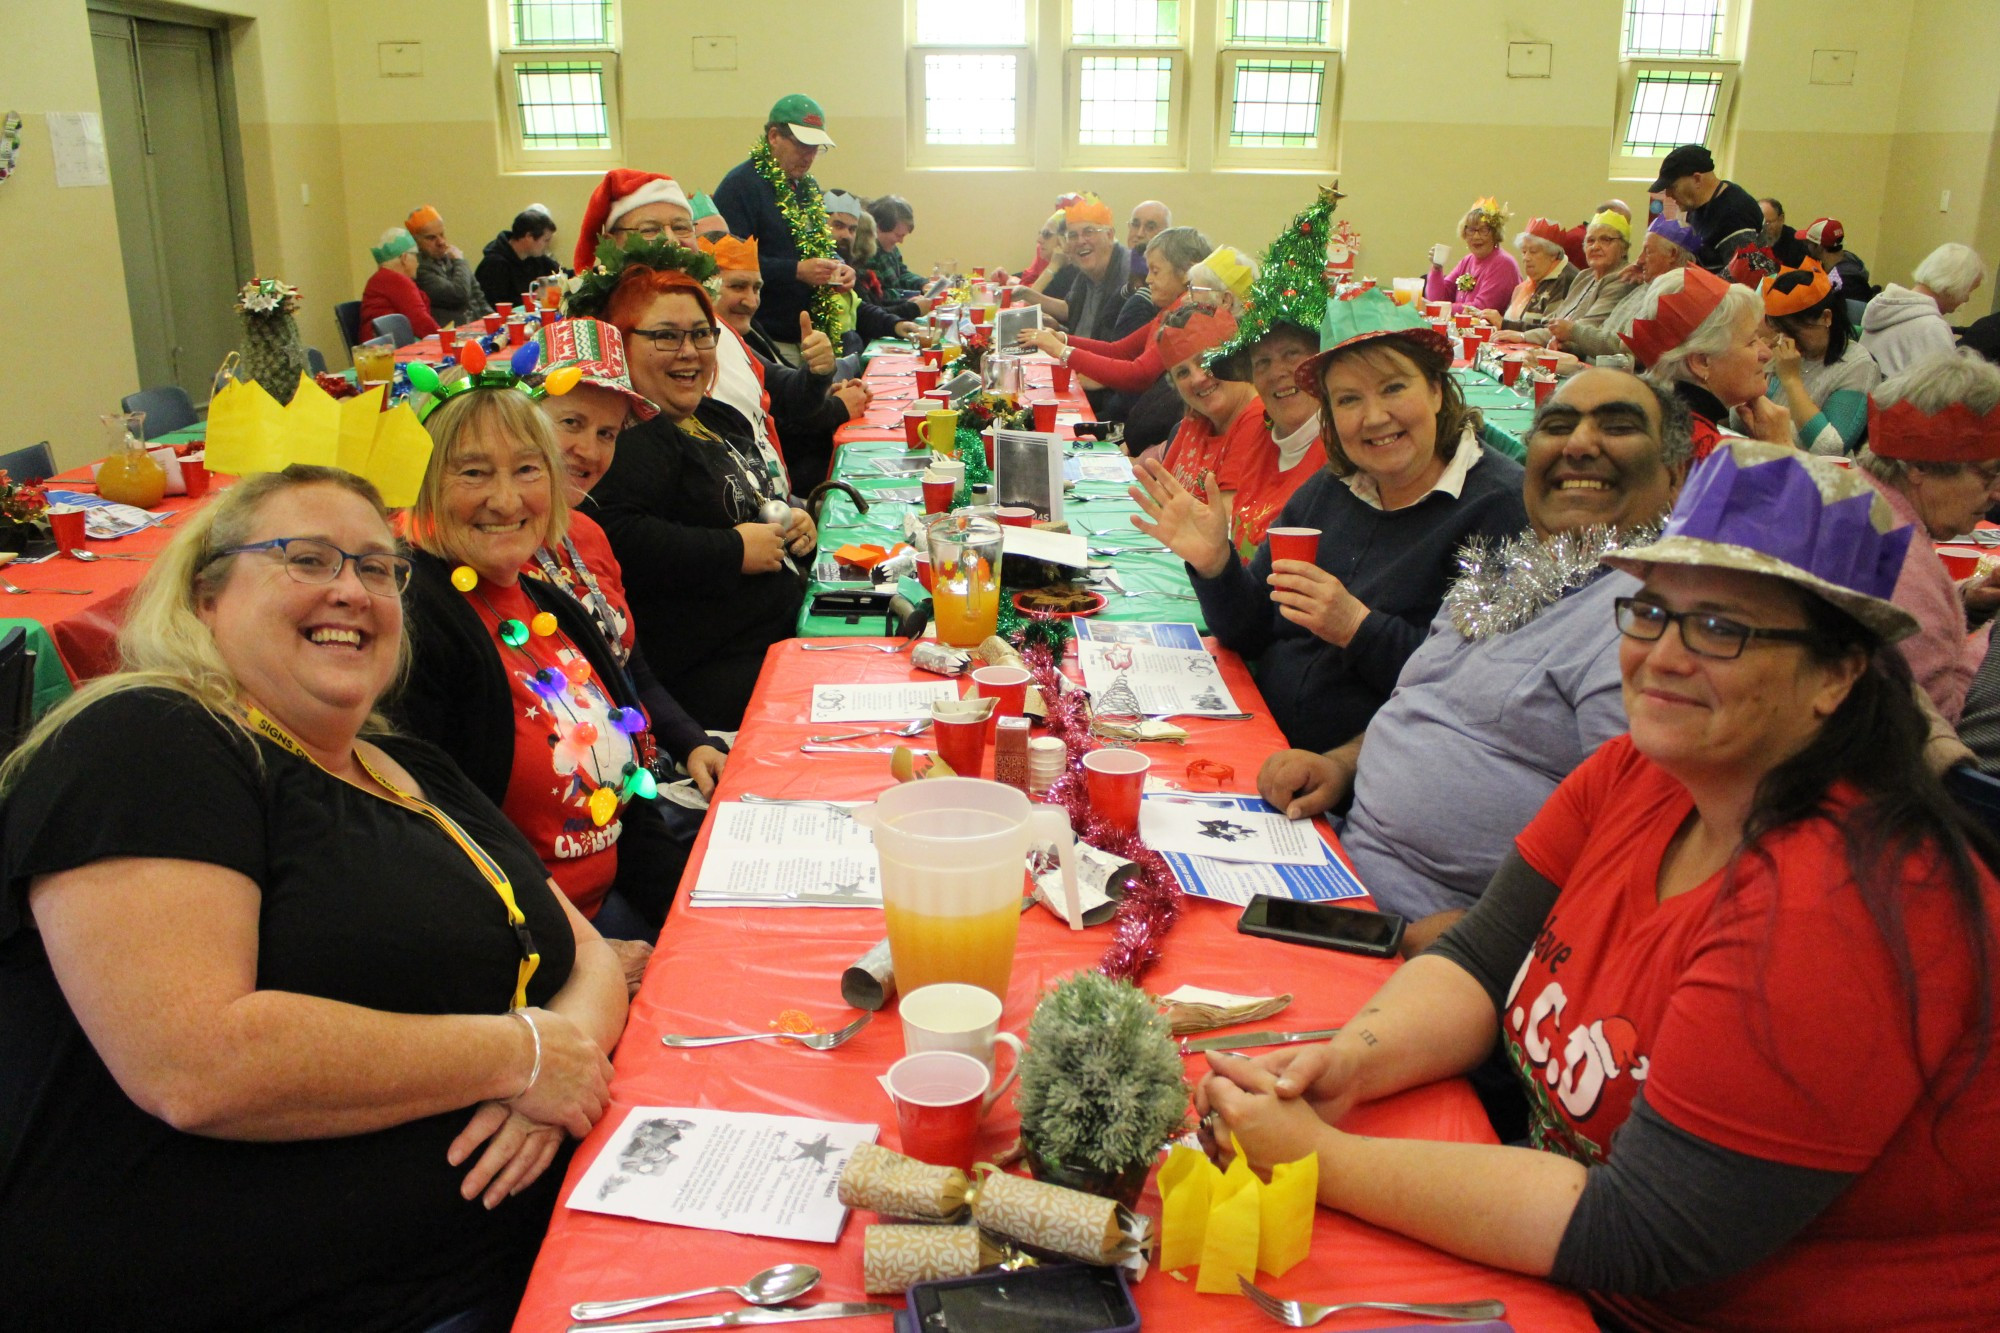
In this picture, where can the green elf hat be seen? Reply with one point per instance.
(398, 242)
(1363, 317)
(802, 116)
(1289, 290)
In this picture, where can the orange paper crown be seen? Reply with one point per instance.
(424, 216)
(1680, 314)
(731, 253)
(1955, 435)
(1791, 290)
(1087, 210)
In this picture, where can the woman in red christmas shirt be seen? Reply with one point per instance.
(1742, 962)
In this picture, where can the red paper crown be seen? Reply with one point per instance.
(1679, 315)
(1955, 435)
(1547, 229)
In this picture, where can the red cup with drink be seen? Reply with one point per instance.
(194, 475)
(1059, 378)
(447, 342)
(913, 429)
(1007, 686)
(1115, 780)
(1294, 544)
(503, 308)
(938, 492)
(1545, 387)
(1045, 416)
(961, 740)
(1015, 516)
(939, 1096)
(1510, 367)
(67, 525)
(924, 572)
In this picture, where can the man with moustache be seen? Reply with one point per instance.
(1518, 681)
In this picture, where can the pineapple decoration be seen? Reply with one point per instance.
(272, 354)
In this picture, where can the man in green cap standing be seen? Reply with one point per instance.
(774, 198)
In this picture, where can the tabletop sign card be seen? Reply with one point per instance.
(1009, 324)
(902, 702)
(787, 856)
(1159, 670)
(1238, 881)
(1028, 471)
(756, 1175)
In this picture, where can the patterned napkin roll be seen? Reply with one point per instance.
(1079, 1226)
(897, 1186)
(894, 1258)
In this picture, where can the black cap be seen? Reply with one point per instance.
(1683, 161)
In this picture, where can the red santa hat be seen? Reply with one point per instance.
(617, 194)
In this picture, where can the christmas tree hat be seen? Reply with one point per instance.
(1290, 290)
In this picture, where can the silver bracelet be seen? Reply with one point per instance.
(535, 1071)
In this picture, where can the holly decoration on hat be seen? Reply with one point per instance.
(1290, 287)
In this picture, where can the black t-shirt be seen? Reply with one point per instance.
(1721, 223)
(111, 1218)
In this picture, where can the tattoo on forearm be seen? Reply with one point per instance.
(1367, 1037)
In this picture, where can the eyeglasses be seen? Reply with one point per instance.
(1702, 633)
(309, 560)
(652, 231)
(674, 339)
(1091, 231)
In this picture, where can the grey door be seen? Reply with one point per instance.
(171, 155)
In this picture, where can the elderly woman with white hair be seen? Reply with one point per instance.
(1597, 289)
(392, 288)
(1937, 472)
(1705, 337)
(1905, 324)
(1549, 275)
(1669, 245)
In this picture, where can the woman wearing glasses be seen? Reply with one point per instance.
(514, 679)
(292, 1022)
(1743, 962)
(713, 581)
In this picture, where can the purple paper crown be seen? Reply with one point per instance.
(1678, 232)
(1810, 513)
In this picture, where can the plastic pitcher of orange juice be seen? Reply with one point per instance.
(954, 853)
(965, 578)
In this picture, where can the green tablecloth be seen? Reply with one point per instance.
(51, 681)
(1100, 509)
(185, 435)
(1508, 412)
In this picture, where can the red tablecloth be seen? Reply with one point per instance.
(722, 970)
(892, 378)
(84, 628)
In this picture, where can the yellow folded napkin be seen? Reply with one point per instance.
(1232, 1224)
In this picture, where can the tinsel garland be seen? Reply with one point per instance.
(1504, 585)
(806, 216)
(1152, 902)
(1290, 287)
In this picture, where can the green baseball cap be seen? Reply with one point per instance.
(802, 116)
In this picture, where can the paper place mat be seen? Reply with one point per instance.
(879, 703)
(1237, 882)
(1218, 831)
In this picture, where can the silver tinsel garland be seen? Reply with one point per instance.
(1504, 585)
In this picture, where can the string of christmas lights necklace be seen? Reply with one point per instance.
(552, 685)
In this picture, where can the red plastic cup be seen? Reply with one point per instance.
(447, 342)
(1045, 415)
(937, 495)
(1960, 564)
(1294, 543)
(492, 323)
(194, 474)
(1548, 361)
(927, 378)
(503, 308)
(68, 528)
(1543, 389)
(934, 357)
(1006, 297)
(986, 439)
(924, 576)
(1510, 367)
(913, 429)
(939, 1098)
(978, 314)
(1015, 516)
(1009, 686)
(962, 744)
(1114, 780)
(1475, 339)
(1059, 378)
(517, 333)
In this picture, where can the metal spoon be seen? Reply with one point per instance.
(773, 1286)
(89, 557)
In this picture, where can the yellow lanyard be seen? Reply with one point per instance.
(531, 958)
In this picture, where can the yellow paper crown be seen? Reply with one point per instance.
(249, 432)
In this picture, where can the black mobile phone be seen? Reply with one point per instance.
(1060, 1298)
(1323, 925)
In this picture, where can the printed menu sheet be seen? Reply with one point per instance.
(905, 702)
(1238, 881)
(1160, 670)
(787, 856)
(756, 1175)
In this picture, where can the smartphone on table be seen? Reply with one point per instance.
(1060, 1298)
(1323, 925)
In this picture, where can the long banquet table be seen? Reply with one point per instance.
(722, 970)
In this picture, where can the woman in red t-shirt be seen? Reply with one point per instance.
(1285, 449)
(1742, 962)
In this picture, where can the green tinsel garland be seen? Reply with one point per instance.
(970, 448)
(807, 218)
(1291, 284)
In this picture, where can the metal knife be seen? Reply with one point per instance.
(1238, 1040)
(740, 1318)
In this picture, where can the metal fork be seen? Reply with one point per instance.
(850, 647)
(819, 1041)
(23, 592)
(1302, 1314)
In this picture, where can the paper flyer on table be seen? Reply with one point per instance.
(755, 1175)
(904, 702)
(773, 877)
(1237, 881)
(1126, 670)
(776, 825)
(1228, 832)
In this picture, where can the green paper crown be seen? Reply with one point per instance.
(1367, 314)
(1290, 287)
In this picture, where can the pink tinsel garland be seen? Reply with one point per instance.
(1152, 902)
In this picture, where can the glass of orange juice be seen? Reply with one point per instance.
(954, 862)
(965, 578)
(374, 363)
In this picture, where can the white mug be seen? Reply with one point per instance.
(951, 1016)
(1439, 253)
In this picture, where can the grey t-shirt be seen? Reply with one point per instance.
(1473, 741)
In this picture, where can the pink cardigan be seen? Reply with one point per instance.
(1497, 275)
(1942, 656)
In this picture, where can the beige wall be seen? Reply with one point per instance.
(1428, 120)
